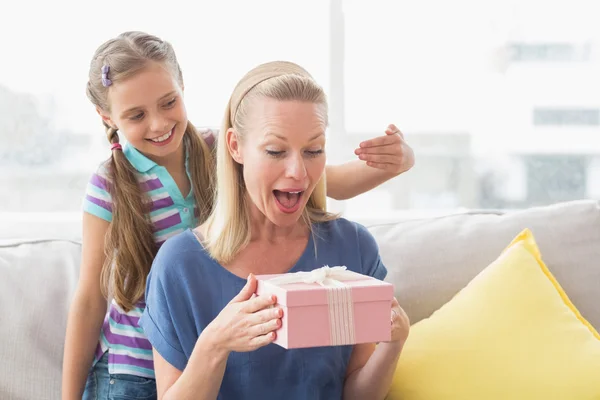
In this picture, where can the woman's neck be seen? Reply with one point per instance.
(263, 230)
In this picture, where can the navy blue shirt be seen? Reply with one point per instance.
(186, 290)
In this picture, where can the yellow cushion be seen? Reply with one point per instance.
(511, 333)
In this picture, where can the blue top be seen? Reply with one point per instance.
(186, 290)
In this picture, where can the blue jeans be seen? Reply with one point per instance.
(101, 385)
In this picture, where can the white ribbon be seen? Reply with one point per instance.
(324, 276)
(339, 298)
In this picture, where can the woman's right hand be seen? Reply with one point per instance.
(246, 323)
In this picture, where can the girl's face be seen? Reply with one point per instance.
(148, 110)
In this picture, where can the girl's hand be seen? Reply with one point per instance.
(388, 152)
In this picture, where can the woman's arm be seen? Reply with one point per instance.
(371, 369)
(245, 324)
(382, 158)
(201, 378)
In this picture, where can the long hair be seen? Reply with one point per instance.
(130, 246)
(228, 227)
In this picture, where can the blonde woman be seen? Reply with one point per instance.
(210, 337)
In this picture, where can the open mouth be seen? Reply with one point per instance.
(288, 200)
(163, 139)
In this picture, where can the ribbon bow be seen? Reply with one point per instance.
(325, 276)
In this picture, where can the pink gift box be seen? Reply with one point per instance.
(351, 309)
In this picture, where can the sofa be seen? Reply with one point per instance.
(429, 260)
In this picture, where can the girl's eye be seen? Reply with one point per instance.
(137, 117)
(170, 103)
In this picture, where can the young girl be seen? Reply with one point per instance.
(157, 185)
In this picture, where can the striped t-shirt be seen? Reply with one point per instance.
(129, 352)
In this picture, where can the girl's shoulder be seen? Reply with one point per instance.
(102, 174)
(209, 135)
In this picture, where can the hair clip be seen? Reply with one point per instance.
(105, 81)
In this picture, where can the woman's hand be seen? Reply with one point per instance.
(400, 323)
(246, 323)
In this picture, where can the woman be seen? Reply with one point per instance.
(211, 337)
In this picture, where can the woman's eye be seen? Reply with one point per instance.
(274, 153)
(314, 153)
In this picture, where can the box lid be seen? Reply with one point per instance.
(364, 288)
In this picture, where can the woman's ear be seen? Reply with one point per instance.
(234, 146)
(106, 118)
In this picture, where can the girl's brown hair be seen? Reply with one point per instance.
(130, 246)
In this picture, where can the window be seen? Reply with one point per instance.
(474, 93)
(546, 52)
(52, 138)
(566, 117)
(555, 178)
(471, 91)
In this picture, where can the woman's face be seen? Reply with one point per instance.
(283, 156)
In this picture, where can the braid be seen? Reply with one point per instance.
(129, 244)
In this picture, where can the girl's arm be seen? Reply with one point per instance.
(87, 310)
(382, 158)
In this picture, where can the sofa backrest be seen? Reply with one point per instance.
(430, 260)
(37, 281)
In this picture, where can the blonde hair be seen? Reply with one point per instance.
(228, 227)
(130, 243)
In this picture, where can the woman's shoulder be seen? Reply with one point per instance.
(341, 228)
(349, 243)
(345, 235)
(179, 252)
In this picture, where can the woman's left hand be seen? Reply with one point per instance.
(388, 152)
(400, 323)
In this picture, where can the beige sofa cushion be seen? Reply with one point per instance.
(430, 260)
(37, 282)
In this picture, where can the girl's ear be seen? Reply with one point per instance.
(106, 118)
